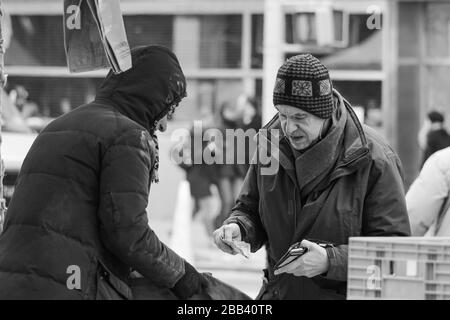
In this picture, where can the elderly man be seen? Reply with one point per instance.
(337, 179)
(77, 224)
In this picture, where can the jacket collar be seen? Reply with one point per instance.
(323, 154)
(340, 152)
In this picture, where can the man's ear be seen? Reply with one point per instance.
(325, 127)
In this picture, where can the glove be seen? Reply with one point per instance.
(191, 283)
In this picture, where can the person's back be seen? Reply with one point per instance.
(437, 140)
(427, 198)
(77, 223)
(56, 201)
(437, 137)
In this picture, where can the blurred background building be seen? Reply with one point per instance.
(389, 58)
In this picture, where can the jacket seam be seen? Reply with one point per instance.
(51, 230)
(53, 175)
(121, 135)
(138, 192)
(74, 131)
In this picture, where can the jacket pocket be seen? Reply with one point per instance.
(110, 287)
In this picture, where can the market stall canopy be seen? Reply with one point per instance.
(363, 56)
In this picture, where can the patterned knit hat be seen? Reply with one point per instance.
(303, 82)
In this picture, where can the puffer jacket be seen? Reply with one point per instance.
(348, 184)
(77, 223)
(427, 198)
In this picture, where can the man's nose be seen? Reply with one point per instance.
(290, 126)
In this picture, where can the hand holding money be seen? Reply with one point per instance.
(228, 239)
(240, 247)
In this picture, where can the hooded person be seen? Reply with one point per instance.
(77, 225)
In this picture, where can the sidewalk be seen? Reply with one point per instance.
(238, 271)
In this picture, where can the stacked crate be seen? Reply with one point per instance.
(399, 268)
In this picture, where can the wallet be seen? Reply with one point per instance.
(295, 251)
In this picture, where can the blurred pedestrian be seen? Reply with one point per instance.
(433, 136)
(19, 96)
(65, 106)
(427, 199)
(229, 175)
(250, 122)
(200, 176)
(337, 178)
(77, 224)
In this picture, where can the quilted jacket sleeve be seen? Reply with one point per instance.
(124, 190)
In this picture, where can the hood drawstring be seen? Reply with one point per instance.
(154, 175)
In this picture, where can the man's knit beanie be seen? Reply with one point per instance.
(303, 82)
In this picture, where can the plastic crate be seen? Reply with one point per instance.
(399, 268)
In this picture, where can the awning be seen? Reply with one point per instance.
(364, 56)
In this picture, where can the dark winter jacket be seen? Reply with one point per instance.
(77, 223)
(348, 184)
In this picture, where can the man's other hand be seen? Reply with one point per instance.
(312, 263)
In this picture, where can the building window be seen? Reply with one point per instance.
(39, 40)
(358, 31)
(220, 41)
(257, 41)
(301, 28)
(362, 51)
(437, 29)
(36, 41)
(365, 94)
(149, 30)
(54, 96)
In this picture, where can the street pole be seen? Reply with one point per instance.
(273, 52)
(2, 83)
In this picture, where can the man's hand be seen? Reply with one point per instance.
(312, 263)
(228, 232)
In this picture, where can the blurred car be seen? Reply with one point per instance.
(16, 139)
